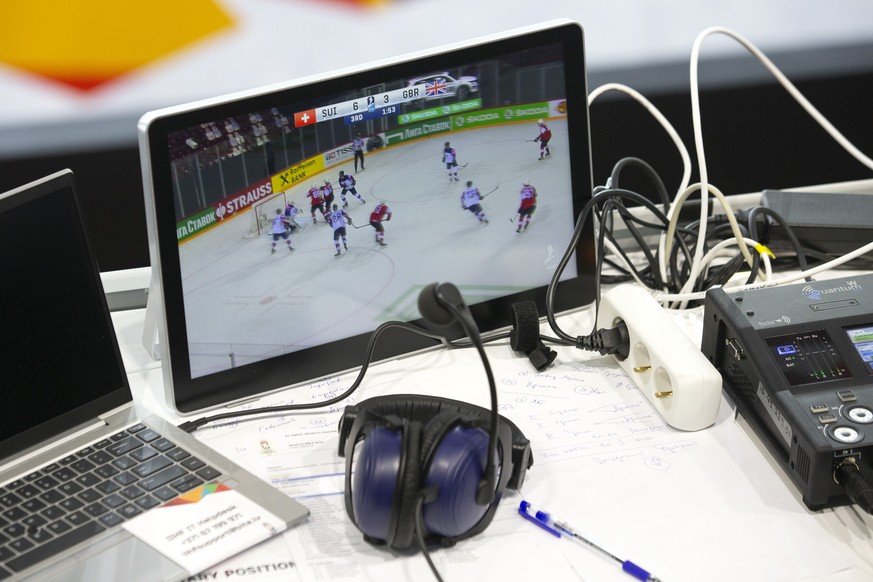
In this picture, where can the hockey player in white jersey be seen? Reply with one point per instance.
(347, 183)
(450, 159)
(291, 212)
(470, 199)
(280, 229)
(338, 218)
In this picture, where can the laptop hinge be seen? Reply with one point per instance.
(53, 444)
(112, 420)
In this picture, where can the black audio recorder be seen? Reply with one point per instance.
(798, 362)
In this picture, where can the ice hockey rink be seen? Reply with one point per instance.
(243, 304)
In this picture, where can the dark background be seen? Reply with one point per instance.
(756, 137)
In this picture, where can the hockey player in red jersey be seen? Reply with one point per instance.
(327, 194)
(544, 137)
(316, 199)
(380, 213)
(526, 207)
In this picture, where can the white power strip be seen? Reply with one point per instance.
(663, 362)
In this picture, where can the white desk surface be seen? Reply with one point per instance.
(707, 505)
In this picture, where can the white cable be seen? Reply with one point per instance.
(729, 214)
(697, 265)
(701, 163)
(674, 135)
(698, 130)
(786, 84)
(716, 251)
(768, 269)
(659, 117)
(704, 186)
(685, 297)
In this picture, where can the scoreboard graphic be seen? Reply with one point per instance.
(359, 110)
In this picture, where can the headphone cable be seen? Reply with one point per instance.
(192, 425)
(419, 536)
(488, 485)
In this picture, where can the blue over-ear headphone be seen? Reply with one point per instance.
(435, 464)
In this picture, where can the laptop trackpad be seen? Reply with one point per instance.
(118, 556)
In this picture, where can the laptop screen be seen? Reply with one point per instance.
(244, 313)
(59, 360)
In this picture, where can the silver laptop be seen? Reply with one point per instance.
(78, 460)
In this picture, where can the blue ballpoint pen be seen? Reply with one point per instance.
(560, 529)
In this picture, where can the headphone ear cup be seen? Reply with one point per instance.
(453, 457)
(385, 482)
(412, 445)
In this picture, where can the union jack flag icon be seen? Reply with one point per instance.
(438, 87)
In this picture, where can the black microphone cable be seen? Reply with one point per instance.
(857, 488)
(613, 340)
(434, 303)
(422, 498)
(192, 425)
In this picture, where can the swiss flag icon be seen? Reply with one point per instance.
(302, 118)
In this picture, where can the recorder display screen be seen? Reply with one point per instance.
(862, 339)
(808, 357)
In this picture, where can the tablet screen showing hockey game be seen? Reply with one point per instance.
(305, 217)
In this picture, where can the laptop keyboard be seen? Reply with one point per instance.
(96, 488)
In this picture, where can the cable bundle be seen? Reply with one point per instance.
(722, 250)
